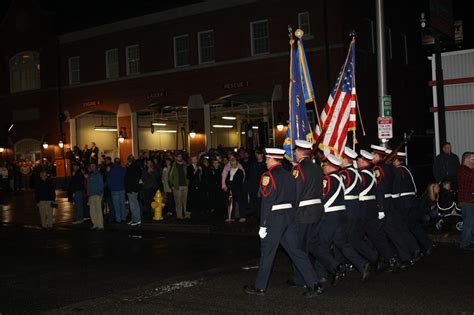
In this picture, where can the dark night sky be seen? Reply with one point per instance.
(73, 15)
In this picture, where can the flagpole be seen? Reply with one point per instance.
(290, 35)
(353, 34)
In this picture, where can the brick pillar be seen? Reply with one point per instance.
(196, 122)
(124, 126)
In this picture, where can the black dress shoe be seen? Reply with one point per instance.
(418, 256)
(339, 275)
(250, 289)
(406, 264)
(393, 266)
(293, 284)
(366, 272)
(430, 250)
(313, 291)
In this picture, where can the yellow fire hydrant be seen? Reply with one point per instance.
(157, 204)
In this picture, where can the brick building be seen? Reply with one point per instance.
(199, 75)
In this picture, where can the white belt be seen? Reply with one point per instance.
(309, 202)
(351, 197)
(412, 193)
(365, 198)
(395, 196)
(388, 195)
(335, 208)
(282, 206)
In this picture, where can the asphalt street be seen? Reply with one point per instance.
(80, 271)
(145, 270)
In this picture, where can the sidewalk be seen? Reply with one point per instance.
(22, 211)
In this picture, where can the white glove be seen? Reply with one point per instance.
(381, 215)
(262, 232)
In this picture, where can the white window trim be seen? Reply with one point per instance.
(174, 50)
(251, 38)
(126, 58)
(199, 47)
(307, 34)
(405, 45)
(70, 70)
(107, 70)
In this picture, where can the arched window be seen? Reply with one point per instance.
(25, 71)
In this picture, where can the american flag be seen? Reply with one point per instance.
(339, 114)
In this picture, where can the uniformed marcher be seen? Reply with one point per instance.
(277, 226)
(373, 224)
(405, 190)
(332, 228)
(356, 225)
(309, 209)
(384, 175)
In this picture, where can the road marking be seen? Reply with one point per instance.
(249, 267)
(164, 290)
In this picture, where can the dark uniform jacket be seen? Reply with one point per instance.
(308, 178)
(404, 188)
(384, 174)
(352, 187)
(276, 187)
(367, 195)
(333, 198)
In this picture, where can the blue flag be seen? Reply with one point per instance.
(298, 127)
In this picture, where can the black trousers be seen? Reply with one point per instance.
(410, 221)
(331, 231)
(356, 231)
(281, 229)
(306, 234)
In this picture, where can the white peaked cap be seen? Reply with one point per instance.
(366, 155)
(350, 153)
(333, 160)
(378, 148)
(388, 151)
(303, 144)
(401, 154)
(275, 153)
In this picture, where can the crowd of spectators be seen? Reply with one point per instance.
(216, 184)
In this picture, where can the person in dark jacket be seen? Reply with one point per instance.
(45, 196)
(133, 184)
(195, 200)
(446, 165)
(213, 179)
(76, 189)
(116, 184)
(235, 183)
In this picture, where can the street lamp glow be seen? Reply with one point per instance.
(280, 126)
(254, 127)
(45, 145)
(121, 138)
(2, 149)
(61, 144)
(192, 134)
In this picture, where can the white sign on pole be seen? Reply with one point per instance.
(385, 127)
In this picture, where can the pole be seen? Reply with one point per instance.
(60, 109)
(440, 93)
(381, 72)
